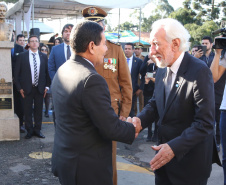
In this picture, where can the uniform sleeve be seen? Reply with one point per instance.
(125, 84)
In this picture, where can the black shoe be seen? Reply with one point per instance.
(28, 136)
(40, 135)
(22, 129)
(46, 115)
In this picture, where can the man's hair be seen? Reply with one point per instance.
(102, 22)
(131, 44)
(19, 36)
(195, 46)
(67, 26)
(4, 4)
(83, 34)
(208, 38)
(174, 29)
(32, 37)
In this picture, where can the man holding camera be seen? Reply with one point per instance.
(208, 56)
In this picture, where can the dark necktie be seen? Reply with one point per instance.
(168, 82)
(68, 52)
(35, 70)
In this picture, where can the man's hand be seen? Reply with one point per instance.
(198, 53)
(164, 156)
(147, 79)
(122, 118)
(22, 93)
(45, 92)
(138, 92)
(136, 123)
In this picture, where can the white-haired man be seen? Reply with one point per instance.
(184, 102)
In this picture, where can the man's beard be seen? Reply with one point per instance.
(163, 62)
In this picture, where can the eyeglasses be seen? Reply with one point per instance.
(34, 41)
(43, 49)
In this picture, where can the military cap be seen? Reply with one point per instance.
(138, 45)
(94, 14)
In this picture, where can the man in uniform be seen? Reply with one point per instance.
(116, 73)
(138, 50)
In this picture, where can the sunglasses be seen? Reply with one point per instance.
(43, 49)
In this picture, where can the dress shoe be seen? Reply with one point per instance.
(28, 136)
(46, 115)
(22, 129)
(40, 135)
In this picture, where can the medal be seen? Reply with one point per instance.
(105, 63)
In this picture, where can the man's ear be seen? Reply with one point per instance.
(176, 44)
(91, 47)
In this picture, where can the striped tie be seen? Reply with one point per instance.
(35, 70)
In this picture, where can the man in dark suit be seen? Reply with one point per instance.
(184, 102)
(86, 123)
(134, 64)
(60, 53)
(32, 81)
(18, 100)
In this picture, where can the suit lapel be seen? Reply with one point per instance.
(61, 52)
(133, 65)
(178, 82)
(161, 91)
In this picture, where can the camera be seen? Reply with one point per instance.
(220, 43)
(151, 74)
(203, 48)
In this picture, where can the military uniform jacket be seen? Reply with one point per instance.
(119, 79)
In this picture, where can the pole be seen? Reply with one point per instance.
(33, 4)
(140, 25)
(118, 25)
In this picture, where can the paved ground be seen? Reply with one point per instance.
(28, 162)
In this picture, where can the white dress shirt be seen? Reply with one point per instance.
(130, 63)
(174, 68)
(65, 50)
(32, 64)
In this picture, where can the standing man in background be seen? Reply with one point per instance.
(116, 73)
(18, 100)
(59, 54)
(134, 64)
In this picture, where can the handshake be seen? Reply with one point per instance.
(136, 123)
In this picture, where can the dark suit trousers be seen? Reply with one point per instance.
(134, 100)
(18, 104)
(161, 178)
(36, 97)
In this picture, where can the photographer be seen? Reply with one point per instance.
(218, 68)
(209, 55)
(148, 69)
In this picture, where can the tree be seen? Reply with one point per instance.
(128, 26)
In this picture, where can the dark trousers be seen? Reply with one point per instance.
(223, 141)
(47, 102)
(217, 121)
(161, 178)
(132, 111)
(18, 104)
(37, 98)
(150, 134)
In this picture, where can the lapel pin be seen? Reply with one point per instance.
(178, 83)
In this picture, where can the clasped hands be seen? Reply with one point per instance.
(136, 123)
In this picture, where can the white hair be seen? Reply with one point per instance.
(4, 4)
(174, 29)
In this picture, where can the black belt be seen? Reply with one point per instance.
(223, 110)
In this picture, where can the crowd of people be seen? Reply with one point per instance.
(181, 100)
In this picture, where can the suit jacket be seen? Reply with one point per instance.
(186, 121)
(56, 59)
(86, 124)
(119, 82)
(135, 70)
(17, 49)
(22, 73)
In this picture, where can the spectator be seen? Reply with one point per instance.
(218, 68)
(45, 49)
(134, 68)
(58, 41)
(18, 100)
(32, 81)
(149, 66)
(194, 50)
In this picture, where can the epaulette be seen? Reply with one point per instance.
(116, 43)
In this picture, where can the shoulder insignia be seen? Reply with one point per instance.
(116, 43)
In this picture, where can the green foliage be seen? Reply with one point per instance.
(128, 26)
(147, 22)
